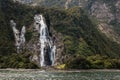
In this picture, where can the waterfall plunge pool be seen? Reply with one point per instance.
(20, 74)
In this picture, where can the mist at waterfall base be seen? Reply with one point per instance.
(46, 43)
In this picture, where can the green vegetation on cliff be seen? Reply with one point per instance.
(93, 62)
(80, 36)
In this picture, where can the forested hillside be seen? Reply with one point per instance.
(106, 13)
(81, 38)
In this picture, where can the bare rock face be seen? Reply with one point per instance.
(33, 47)
(59, 47)
(101, 11)
(106, 13)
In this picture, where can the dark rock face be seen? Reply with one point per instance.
(59, 47)
(47, 56)
(33, 47)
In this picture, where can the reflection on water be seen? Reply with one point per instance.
(45, 75)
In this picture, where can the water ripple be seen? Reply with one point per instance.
(42, 75)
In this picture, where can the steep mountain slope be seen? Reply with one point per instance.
(106, 13)
(76, 35)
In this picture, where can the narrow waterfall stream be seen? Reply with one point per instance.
(47, 47)
(19, 36)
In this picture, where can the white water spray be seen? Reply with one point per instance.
(47, 46)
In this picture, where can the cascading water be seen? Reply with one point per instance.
(53, 54)
(19, 38)
(22, 36)
(46, 44)
(47, 47)
(16, 35)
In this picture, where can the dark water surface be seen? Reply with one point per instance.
(59, 75)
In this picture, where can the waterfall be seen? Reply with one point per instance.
(19, 38)
(53, 54)
(46, 44)
(47, 47)
(22, 38)
(67, 4)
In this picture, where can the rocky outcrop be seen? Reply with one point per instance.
(33, 47)
(101, 11)
(59, 57)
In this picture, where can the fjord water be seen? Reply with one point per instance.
(59, 75)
